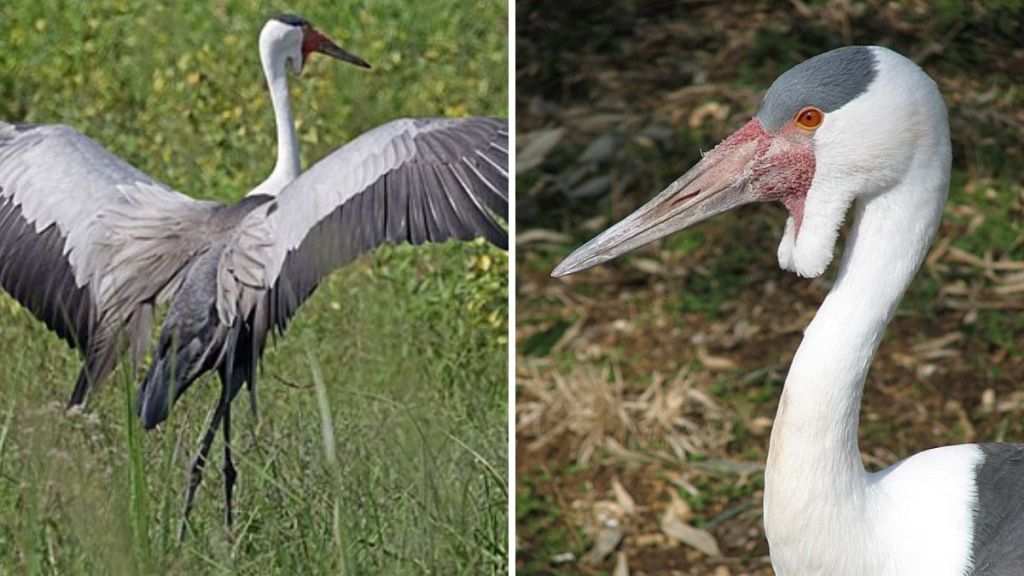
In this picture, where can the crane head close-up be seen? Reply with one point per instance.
(850, 123)
(293, 38)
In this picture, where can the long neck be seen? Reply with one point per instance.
(814, 464)
(287, 167)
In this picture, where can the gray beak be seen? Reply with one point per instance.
(333, 50)
(714, 185)
(314, 40)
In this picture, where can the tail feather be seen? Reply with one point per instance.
(173, 371)
(193, 341)
(82, 386)
(99, 362)
(152, 402)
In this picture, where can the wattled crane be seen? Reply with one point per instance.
(862, 127)
(90, 245)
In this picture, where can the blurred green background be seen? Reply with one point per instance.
(647, 386)
(397, 366)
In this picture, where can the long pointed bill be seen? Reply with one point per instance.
(316, 41)
(333, 50)
(715, 184)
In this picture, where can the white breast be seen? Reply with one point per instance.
(914, 518)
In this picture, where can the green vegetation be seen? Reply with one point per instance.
(382, 442)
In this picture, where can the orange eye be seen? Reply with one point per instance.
(810, 118)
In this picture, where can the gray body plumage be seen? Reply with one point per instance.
(191, 337)
(998, 541)
(826, 81)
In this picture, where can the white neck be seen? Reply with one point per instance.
(287, 167)
(815, 482)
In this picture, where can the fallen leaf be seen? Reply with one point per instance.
(608, 538)
(718, 363)
(623, 498)
(536, 146)
(673, 524)
(621, 565)
(591, 188)
(563, 558)
(695, 538)
(602, 149)
(541, 235)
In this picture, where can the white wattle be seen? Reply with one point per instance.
(787, 245)
(287, 168)
(824, 514)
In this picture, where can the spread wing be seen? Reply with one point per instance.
(416, 181)
(86, 239)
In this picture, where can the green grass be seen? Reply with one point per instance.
(382, 442)
(540, 519)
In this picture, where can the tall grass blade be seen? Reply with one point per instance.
(341, 541)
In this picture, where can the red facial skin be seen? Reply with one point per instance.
(312, 41)
(782, 167)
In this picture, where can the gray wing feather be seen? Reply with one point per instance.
(402, 153)
(424, 180)
(49, 291)
(85, 238)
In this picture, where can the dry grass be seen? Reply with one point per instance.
(598, 412)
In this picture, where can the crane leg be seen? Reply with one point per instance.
(229, 465)
(222, 414)
(195, 476)
(228, 391)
